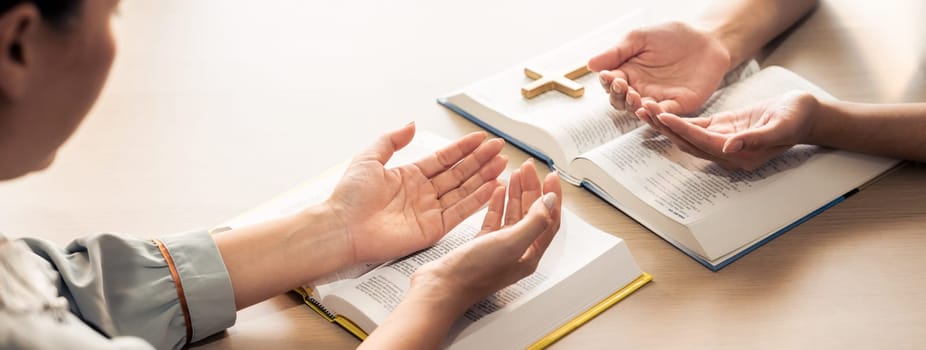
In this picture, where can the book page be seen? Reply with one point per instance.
(681, 186)
(578, 124)
(582, 267)
(687, 188)
(369, 300)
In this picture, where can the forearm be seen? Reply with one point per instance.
(271, 258)
(421, 321)
(893, 130)
(744, 27)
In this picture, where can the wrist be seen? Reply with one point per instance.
(271, 257)
(422, 320)
(734, 25)
(820, 113)
(726, 40)
(319, 233)
(429, 289)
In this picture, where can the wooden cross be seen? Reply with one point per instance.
(563, 83)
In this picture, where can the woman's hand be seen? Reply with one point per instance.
(388, 213)
(508, 248)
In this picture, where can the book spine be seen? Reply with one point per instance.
(315, 304)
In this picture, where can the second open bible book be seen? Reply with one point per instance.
(712, 214)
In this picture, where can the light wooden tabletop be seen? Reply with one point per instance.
(214, 106)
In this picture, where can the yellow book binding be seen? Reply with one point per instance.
(342, 321)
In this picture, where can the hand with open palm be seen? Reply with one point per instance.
(388, 213)
(513, 238)
(509, 247)
(746, 138)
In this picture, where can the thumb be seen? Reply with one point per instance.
(756, 139)
(387, 144)
(616, 56)
(538, 219)
(673, 106)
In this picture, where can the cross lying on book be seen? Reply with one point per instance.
(563, 83)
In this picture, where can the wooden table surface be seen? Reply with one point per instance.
(215, 106)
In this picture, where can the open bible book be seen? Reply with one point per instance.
(583, 272)
(712, 214)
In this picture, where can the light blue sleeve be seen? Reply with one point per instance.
(39, 330)
(123, 286)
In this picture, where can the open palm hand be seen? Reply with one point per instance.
(392, 212)
(514, 236)
(745, 138)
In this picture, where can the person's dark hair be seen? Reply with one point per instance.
(53, 11)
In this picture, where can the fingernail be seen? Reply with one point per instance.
(549, 200)
(628, 100)
(616, 88)
(733, 147)
(410, 123)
